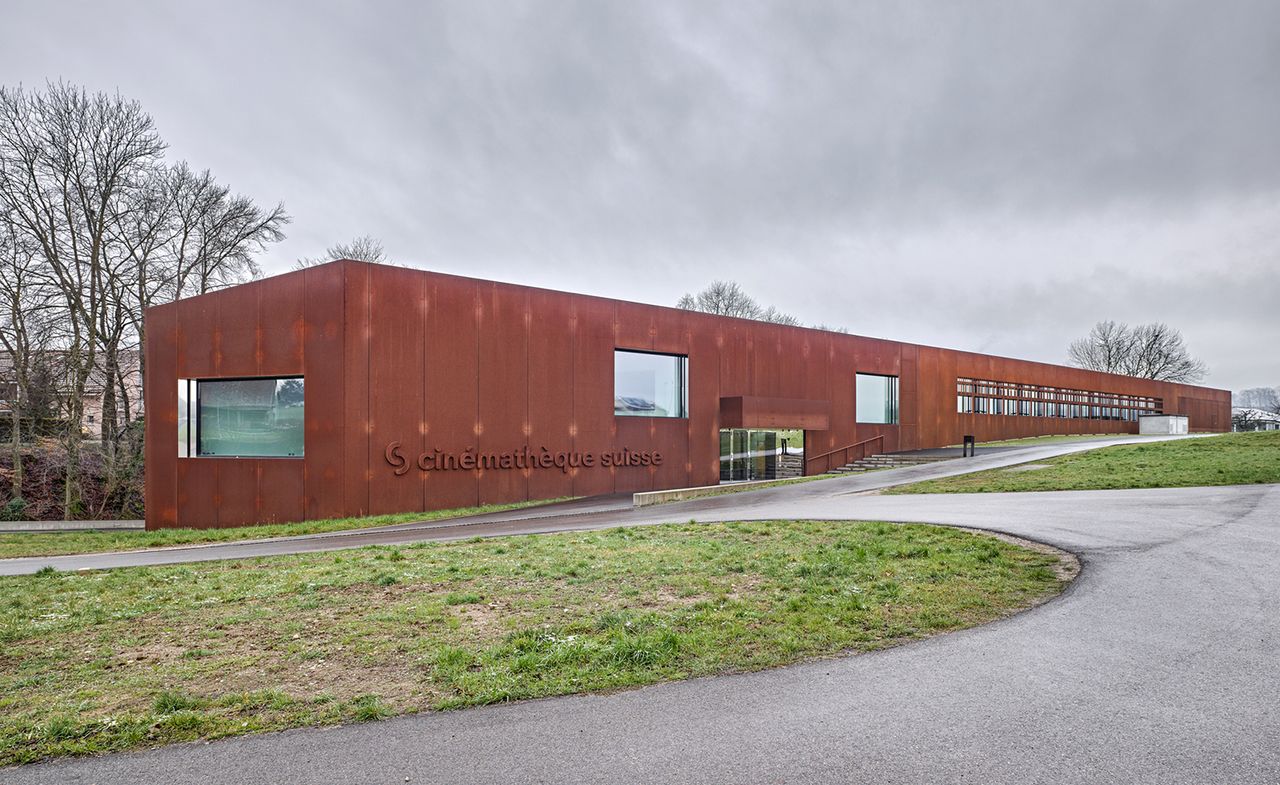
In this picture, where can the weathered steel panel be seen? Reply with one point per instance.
(630, 475)
(593, 421)
(324, 410)
(504, 382)
(735, 369)
(396, 383)
(356, 453)
(550, 387)
(281, 490)
(766, 361)
(237, 491)
(453, 394)
(840, 387)
(281, 313)
(161, 396)
(635, 325)
(703, 466)
(784, 413)
(931, 389)
(731, 411)
(670, 329)
(197, 341)
(198, 493)
(908, 399)
(669, 440)
(236, 331)
(815, 361)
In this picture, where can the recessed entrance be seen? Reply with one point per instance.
(750, 454)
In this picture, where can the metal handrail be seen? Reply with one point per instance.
(845, 449)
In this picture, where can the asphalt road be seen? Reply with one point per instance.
(1159, 665)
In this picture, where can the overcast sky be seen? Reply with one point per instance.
(985, 176)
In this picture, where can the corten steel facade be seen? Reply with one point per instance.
(439, 365)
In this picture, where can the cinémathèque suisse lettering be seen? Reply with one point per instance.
(470, 459)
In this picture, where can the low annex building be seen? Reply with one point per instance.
(354, 389)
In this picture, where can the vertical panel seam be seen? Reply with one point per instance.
(367, 338)
(477, 311)
(422, 421)
(573, 382)
(526, 427)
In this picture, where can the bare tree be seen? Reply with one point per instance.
(775, 316)
(1161, 353)
(1148, 351)
(1106, 348)
(26, 332)
(362, 249)
(65, 158)
(727, 298)
(111, 230)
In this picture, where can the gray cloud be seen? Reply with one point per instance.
(993, 176)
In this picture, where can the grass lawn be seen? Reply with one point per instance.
(1230, 459)
(112, 660)
(15, 544)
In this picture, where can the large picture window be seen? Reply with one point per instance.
(876, 399)
(244, 418)
(650, 385)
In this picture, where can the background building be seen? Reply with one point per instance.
(56, 389)
(1244, 418)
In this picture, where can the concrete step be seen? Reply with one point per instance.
(886, 461)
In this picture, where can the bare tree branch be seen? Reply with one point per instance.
(362, 249)
(727, 298)
(1148, 351)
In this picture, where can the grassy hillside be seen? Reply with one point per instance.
(1230, 459)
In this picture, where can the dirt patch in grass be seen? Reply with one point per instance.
(103, 661)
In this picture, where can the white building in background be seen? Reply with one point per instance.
(1244, 418)
(128, 392)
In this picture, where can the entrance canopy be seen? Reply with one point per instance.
(746, 411)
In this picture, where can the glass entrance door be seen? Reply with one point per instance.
(748, 455)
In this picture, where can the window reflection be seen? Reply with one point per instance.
(649, 385)
(250, 417)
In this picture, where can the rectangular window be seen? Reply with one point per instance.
(249, 418)
(876, 399)
(1044, 401)
(650, 385)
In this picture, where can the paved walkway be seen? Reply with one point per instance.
(598, 512)
(7, 527)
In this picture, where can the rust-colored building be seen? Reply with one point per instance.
(352, 389)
